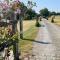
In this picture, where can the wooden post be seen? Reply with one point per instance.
(37, 21)
(15, 50)
(21, 27)
(52, 20)
(15, 44)
(40, 18)
(18, 28)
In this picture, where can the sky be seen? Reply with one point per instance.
(52, 5)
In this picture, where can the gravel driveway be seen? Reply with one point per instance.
(47, 45)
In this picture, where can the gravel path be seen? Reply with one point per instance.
(55, 35)
(47, 46)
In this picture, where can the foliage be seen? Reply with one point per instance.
(6, 35)
(15, 5)
(58, 13)
(44, 12)
(23, 9)
(30, 14)
(27, 13)
(15, 36)
(52, 13)
(38, 24)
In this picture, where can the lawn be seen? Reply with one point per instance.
(57, 20)
(27, 24)
(29, 36)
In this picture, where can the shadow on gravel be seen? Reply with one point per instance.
(42, 25)
(41, 42)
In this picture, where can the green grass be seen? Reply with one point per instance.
(26, 43)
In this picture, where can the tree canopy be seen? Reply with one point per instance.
(30, 14)
(44, 12)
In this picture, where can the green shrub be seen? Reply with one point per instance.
(38, 24)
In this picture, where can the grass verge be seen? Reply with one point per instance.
(56, 20)
(26, 44)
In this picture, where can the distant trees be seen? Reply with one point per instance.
(44, 12)
(30, 14)
(27, 13)
(53, 13)
(58, 13)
